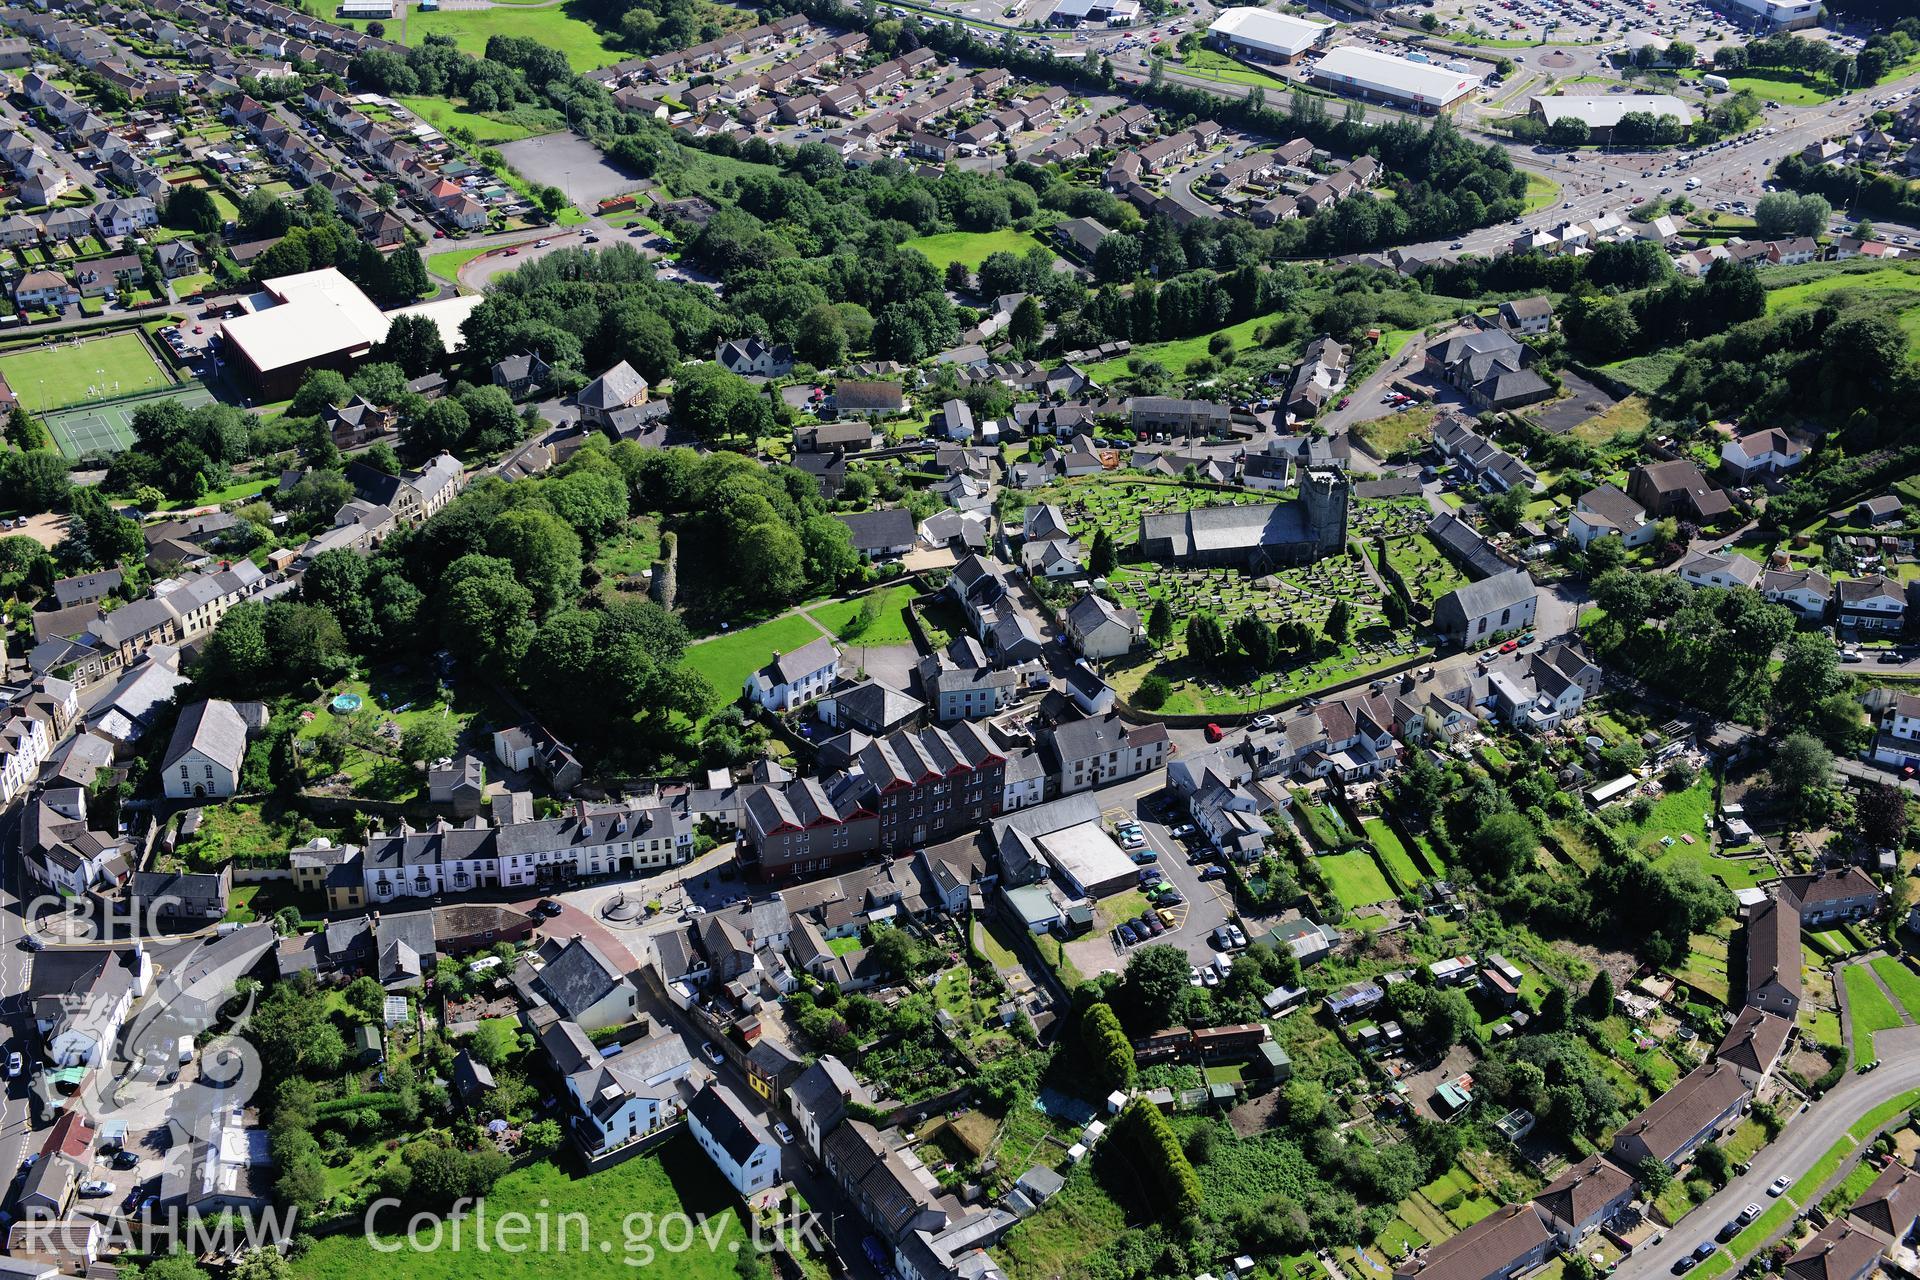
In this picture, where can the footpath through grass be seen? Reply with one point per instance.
(1901, 980)
(1870, 1010)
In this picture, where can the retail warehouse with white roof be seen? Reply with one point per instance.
(1381, 77)
(1266, 35)
(1602, 112)
(320, 320)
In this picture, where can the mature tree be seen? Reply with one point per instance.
(365, 997)
(771, 561)
(495, 1041)
(34, 482)
(1155, 975)
(413, 343)
(1027, 328)
(319, 389)
(192, 209)
(1880, 812)
(1160, 624)
(1256, 640)
(26, 432)
(1504, 845)
(1605, 554)
(1809, 674)
(544, 551)
(1802, 772)
(1711, 1159)
(1340, 623)
(427, 740)
(1102, 558)
(1599, 1002)
(1205, 644)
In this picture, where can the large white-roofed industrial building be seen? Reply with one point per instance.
(319, 320)
(1601, 113)
(1380, 77)
(1265, 35)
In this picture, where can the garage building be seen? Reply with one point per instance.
(1266, 35)
(1087, 860)
(1602, 112)
(1381, 77)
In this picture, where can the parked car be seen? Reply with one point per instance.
(1214, 873)
(1263, 722)
(123, 1160)
(712, 1052)
(15, 1065)
(781, 1131)
(1779, 1185)
(1125, 933)
(94, 1188)
(1214, 733)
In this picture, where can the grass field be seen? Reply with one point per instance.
(1400, 866)
(842, 617)
(1356, 879)
(1176, 356)
(55, 375)
(727, 660)
(1901, 980)
(1896, 287)
(1542, 193)
(1385, 437)
(1674, 814)
(1784, 87)
(1624, 418)
(676, 1181)
(554, 28)
(445, 116)
(447, 265)
(973, 247)
(1209, 65)
(1870, 1010)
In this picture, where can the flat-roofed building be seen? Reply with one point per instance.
(1266, 35)
(1366, 73)
(1602, 113)
(319, 320)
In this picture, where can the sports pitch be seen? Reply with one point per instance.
(59, 374)
(91, 430)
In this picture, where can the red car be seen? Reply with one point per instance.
(1509, 646)
(513, 253)
(1215, 733)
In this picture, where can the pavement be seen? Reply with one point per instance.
(1803, 1141)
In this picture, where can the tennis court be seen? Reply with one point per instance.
(108, 428)
(59, 373)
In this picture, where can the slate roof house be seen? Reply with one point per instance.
(883, 534)
(578, 982)
(1506, 1242)
(1773, 957)
(1676, 489)
(1586, 1195)
(796, 677)
(1683, 1117)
